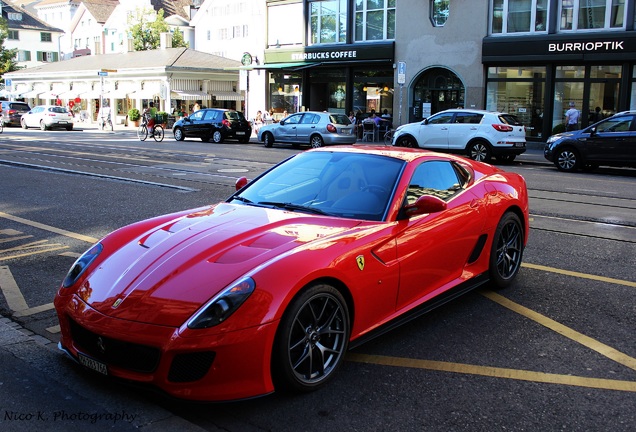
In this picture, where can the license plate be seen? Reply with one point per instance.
(240, 133)
(62, 122)
(345, 131)
(92, 364)
(519, 144)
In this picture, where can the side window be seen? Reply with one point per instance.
(211, 116)
(197, 115)
(468, 117)
(615, 124)
(441, 118)
(437, 178)
(294, 119)
(308, 119)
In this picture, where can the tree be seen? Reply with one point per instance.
(146, 27)
(7, 56)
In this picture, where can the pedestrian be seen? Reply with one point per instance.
(572, 118)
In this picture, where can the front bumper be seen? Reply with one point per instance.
(187, 364)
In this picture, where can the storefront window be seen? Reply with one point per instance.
(328, 21)
(285, 94)
(375, 20)
(519, 16)
(373, 90)
(518, 91)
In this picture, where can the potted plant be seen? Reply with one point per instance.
(161, 118)
(134, 115)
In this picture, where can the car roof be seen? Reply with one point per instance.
(477, 111)
(403, 153)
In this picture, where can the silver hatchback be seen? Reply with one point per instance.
(311, 127)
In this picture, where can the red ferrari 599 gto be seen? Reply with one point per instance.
(268, 289)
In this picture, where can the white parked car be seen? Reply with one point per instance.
(476, 133)
(47, 117)
(311, 127)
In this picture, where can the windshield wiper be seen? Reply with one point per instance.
(292, 206)
(240, 198)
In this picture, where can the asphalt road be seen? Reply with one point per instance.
(556, 351)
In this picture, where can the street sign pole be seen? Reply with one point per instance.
(401, 80)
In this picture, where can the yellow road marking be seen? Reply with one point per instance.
(34, 310)
(495, 372)
(579, 275)
(13, 295)
(10, 239)
(49, 228)
(10, 257)
(569, 333)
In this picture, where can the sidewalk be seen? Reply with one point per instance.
(42, 390)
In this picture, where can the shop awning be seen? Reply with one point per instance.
(48, 95)
(116, 94)
(143, 94)
(227, 96)
(189, 94)
(31, 94)
(93, 94)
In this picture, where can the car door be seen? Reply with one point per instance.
(465, 125)
(433, 248)
(612, 141)
(433, 133)
(286, 131)
(32, 118)
(192, 124)
(307, 125)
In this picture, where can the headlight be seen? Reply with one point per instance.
(223, 305)
(81, 264)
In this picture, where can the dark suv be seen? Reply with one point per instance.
(611, 142)
(214, 124)
(12, 112)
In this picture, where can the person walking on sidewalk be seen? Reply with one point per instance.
(572, 118)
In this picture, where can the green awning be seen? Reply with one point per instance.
(290, 66)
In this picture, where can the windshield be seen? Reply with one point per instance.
(349, 185)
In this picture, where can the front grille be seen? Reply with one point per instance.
(135, 357)
(190, 367)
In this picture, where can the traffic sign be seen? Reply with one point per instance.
(401, 72)
(102, 73)
(109, 70)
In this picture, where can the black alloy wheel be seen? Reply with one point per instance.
(506, 251)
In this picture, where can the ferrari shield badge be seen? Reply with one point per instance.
(117, 303)
(360, 261)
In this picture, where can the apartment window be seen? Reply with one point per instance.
(223, 34)
(439, 12)
(519, 16)
(13, 35)
(46, 56)
(14, 16)
(328, 21)
(375, 20)
(245, 32)
(23, 56)
(236, 32)
(45, 37)
(592, 14)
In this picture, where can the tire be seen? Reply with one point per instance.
(142, 133)
(506, 251)
(316, 141)
(23, 124)
(158, 133)
(178, 134)
(217, 137)
(567, 159)
(69, 128)
(479, 151)
(406, 141)
(42, 125)
(312, 339)
(268, 139)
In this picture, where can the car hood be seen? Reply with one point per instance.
(163, 276)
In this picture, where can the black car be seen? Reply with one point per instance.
(609, 142)
(12, 112)
(213, 124)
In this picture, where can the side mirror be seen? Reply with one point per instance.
(282, 122)
(424, 205)
(240, 183)
(593, 131)
(425, 121)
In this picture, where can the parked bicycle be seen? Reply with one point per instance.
(388, 136)
(144, 130)
(106, 121)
